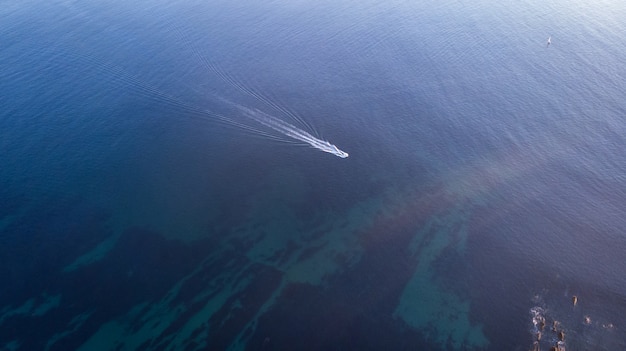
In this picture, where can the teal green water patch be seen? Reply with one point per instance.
(32, 307)
(116, 333)
(95, 255)
(440, 314)
(220, 297)
(12, 345)
(49, 303)
(148, 321)
(24, 309)
(119, 222)
(191, 312)
(308, 255)
(211, 301)
(73, 326)
(339, 247)
(155, 209)
(305, 254)
(241, 341)
(153, 320)
(306, 249)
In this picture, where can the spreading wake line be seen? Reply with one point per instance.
(278, 125)
(265, 119)
(292, 131)
(147, 90)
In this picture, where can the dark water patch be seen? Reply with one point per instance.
(452, 273)
(36, 245)
(504, 275)
(410, 90)
(330, 319)
(513, 266)
(141, 268)
(354, 309)
(280, 258)
(222, 327)
(501, 298)
(235, 315)
(557, 220)
(11, 202)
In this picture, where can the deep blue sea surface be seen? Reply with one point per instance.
(149, 202)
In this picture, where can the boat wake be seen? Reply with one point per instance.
(265, 119)
(272, 127)
(291, 131)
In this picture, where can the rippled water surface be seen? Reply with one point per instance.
(149, 202)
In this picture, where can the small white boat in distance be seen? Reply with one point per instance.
(549, 41)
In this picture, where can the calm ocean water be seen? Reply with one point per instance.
(143, 209)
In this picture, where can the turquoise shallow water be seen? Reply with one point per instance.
(142, 210)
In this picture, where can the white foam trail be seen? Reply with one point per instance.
(291, 131)
(265, 119)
